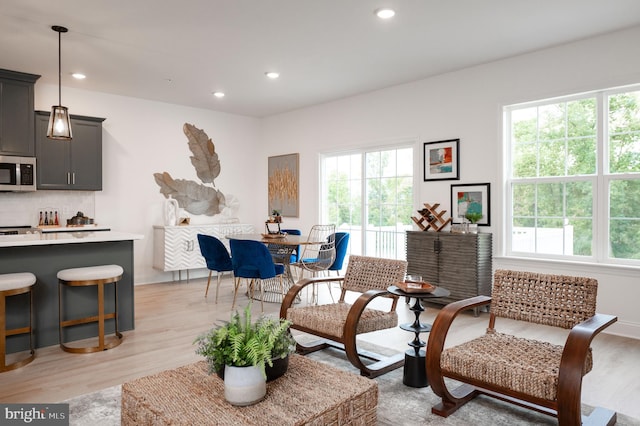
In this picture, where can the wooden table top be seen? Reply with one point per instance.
(286, 240)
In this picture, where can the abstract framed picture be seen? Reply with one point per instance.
(471, 199)
(283, 184)
(441, 160)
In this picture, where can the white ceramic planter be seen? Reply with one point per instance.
(244, 385)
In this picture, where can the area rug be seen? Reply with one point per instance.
(398, 405)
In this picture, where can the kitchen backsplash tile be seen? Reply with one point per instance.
(24, 208)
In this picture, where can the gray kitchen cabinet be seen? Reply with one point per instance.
(461, 263)
(70, 165)
(16, 113)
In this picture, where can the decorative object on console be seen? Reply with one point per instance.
(470, 200)
(171, 209)
(441, 160)
(431, 218)
(283, 186)
(191, 196)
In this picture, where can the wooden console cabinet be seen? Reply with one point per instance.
(461, 263)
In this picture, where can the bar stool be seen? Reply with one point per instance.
(91, 276)
(13, 285)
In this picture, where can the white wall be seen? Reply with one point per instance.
(468, 105)
(141, 138)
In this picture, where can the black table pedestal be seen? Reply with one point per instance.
(415, 371)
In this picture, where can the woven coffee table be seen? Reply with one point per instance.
(309, 393)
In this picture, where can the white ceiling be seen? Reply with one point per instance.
(182, 51)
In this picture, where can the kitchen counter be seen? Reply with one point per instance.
(46, 254)
(66, 237)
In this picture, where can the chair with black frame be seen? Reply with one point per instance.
(532, 373)
(338, 324)
(252, 261)
(216, 257)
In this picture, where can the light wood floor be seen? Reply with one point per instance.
(169, 316)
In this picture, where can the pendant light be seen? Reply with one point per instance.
(59, 123)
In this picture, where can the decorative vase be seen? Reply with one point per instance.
(244, 385)
(280, 366)
(171, 212)
(473, 228)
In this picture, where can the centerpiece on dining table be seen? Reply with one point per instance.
(272, 226)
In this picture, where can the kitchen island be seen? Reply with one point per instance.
(44, 255)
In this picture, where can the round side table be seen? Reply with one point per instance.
(415, 372)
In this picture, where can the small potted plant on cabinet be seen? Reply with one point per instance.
(238, 351)
(473, 217)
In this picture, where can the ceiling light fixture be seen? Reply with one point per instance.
(272, 75)
(385, 13)
(218, 94)
(78, 76)
(59, 122)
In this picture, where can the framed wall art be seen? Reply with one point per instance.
(441, 160)
(283, 185)
(471, 201)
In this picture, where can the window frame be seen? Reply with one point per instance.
(363, 151)
(601, 180)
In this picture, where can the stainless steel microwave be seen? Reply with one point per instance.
(17, 174)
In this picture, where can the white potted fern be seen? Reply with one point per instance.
(242, 349)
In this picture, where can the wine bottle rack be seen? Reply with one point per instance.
(430, 217)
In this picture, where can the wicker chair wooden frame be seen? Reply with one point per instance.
(337, 324)
(530, 373)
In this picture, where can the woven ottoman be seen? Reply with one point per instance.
(310, 393)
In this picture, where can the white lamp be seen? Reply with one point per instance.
(59, 122)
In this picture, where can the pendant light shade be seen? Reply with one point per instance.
(59, 122)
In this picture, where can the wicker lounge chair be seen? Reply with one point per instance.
(531, 373)
(337, 324)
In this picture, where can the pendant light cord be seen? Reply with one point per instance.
(59, 68)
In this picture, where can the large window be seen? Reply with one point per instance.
(573, 178)
(370, 195)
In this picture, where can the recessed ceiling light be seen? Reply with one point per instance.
(385, 13)
(78, 76)
(272, 75)
(218, 94)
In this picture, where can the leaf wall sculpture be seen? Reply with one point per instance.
(196, 198)
(204, 158)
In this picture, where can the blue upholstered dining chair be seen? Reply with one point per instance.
(342, 241)
(252, 261)
(217, 258)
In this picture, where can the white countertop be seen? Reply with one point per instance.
(65, 238)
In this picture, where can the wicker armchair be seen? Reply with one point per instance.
(531, 373)
(337, 324)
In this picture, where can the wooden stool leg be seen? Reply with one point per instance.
(101, 316)
(4, 333)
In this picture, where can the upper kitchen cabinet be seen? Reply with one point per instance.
(70, 165)
(16, 113)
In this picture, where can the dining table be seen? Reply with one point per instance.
(281, 246)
